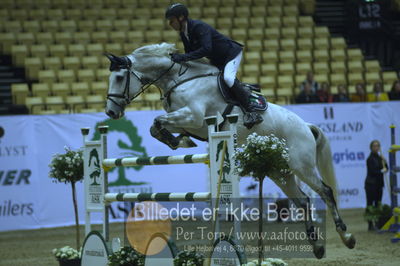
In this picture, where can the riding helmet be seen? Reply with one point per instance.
(176, 10)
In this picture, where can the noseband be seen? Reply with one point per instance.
(127, 64)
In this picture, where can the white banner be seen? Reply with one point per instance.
(29, 199)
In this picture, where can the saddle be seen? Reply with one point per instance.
(260, 103)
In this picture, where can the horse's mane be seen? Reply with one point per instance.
(159, 49)
(163, 49)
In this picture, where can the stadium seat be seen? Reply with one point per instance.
(32, 67)
(45, 38)
(269, 69)
(338, 55)
(285, 81)
(372, 77)
(80, 88)
(66, 76)
(77, 50)
(102, 74)
(32, 26)
(338, 43)
(50, 26)
(75, 103)
(304, 56)
(62, 90)
(68, 26)
(268, 82)
(95, 101)
(321, 32)
(288, 44)
(272, 33)
(34, 104)
(86, 26)
(251, 70)
(372, 66)
(156, 24)
(306, 21)
(90, 62)
(321, 43)
(304, 44)
(355, 65)
(354, 78)
(355, 54)
(321, 55)
(72, 63)
(95, 49)
(58, 50)
(289, 21)
(252, 57)
(55, 103)
(338, 67)
(52, 63)
(321, 78)
(39, 51)
(389, 76)
(100, 37)
(287, 56)
(47, 76)
(86, 75)
(256, 34)
(286, 68)
(270, 57)
(19, 53)
(99, 88)
(305, 32)
(74, 14)
(271, 45)
(337, 79)
(273, 21)
(257, 22)
(303, 67)
(19, 92)
(118, 37)
(254, 45)
(82, 37)
(321, 67)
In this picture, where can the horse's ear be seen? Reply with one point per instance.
(111, 57)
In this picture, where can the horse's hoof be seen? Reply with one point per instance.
(350, 242)
(319, 251)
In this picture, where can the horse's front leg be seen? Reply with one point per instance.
(174, 122)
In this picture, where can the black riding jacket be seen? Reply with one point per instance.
(205, 41)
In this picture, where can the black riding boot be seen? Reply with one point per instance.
(251, 117)
(242, 95)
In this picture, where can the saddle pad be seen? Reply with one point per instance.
(256, 97)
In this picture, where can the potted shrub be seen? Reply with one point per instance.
(67, 256)
(263, 156)
(68, 168)
(126, 256)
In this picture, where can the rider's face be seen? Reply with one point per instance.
(174, 23)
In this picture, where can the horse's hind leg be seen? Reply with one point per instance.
(312, 180)
(301, 200)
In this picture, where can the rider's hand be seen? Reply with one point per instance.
(178, 58)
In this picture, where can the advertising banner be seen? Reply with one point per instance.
(29, 199)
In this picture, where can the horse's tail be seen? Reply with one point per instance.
(324, 159)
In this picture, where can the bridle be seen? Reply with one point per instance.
(127, 64)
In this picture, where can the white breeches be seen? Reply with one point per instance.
(231, 69)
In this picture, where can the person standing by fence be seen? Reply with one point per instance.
(376, 167)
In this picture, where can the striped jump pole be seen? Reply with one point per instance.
(224, 182)
(156, 160)
(189, 196)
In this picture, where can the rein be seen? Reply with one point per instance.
(170, 90)
(125, 94)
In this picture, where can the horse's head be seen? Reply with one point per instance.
(124, 84)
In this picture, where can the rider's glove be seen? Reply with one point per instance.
(178, 58)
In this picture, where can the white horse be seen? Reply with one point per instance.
(191, 94)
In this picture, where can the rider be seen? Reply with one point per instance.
(201, 40)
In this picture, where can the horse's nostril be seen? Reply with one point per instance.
(110, 113)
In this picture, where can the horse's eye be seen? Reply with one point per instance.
(120, 78)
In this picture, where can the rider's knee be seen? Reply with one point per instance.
(229, 79)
